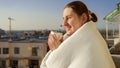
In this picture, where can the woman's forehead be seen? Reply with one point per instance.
(68, 11)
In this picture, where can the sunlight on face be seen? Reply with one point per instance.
(71, 21)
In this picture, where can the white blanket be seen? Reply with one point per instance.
(84, 49)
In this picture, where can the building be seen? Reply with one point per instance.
(22, 54)
(114, 41)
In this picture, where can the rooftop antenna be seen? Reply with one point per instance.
(10, 33)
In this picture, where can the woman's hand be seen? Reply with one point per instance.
(53, 42)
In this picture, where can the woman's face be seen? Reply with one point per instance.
(71, 21)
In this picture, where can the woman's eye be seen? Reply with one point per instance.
(69, 17)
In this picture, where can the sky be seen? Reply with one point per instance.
(46, 14)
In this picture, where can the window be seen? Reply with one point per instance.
(14, 63)
(0, 50)
(5, 50)
(34, 51)
(16, 50)
(2, 64)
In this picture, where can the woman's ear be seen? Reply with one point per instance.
(84, 17)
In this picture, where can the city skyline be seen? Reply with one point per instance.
(42, 14)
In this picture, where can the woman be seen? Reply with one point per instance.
(83, 46)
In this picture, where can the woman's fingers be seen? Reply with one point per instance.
(50, 42)
(53, 42)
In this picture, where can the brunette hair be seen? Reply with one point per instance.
(79, 8)
(93, 16)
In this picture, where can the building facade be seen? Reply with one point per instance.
(22, 54)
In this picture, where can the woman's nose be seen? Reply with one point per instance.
(64, 23)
